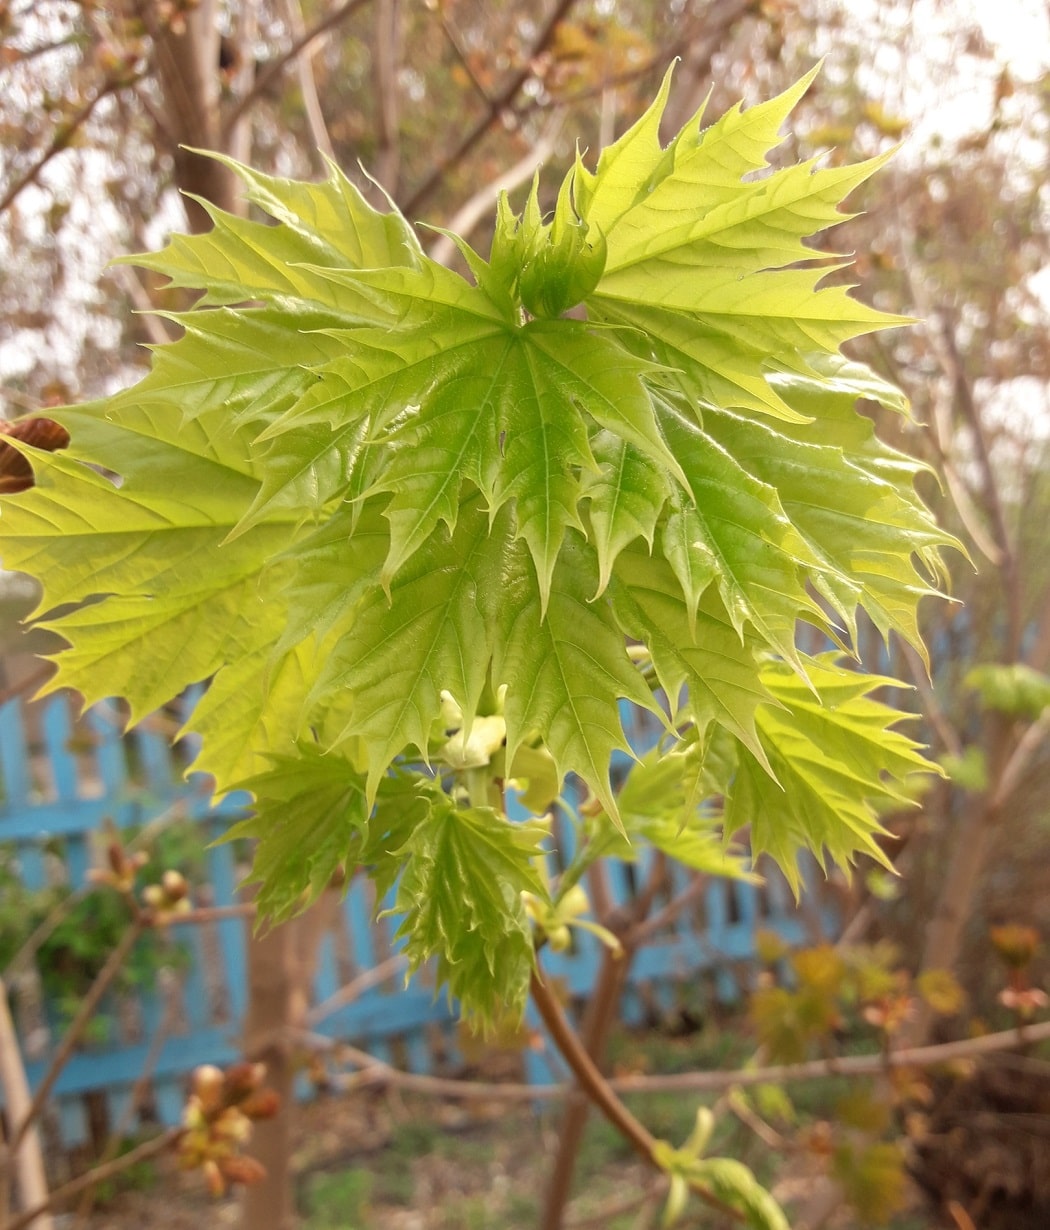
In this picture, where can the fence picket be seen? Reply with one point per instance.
(59, 788)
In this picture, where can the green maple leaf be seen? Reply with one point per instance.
(360, 483)
(459, 893)
(574, 663)
(434, 633)
(309, 809)
(837, 761)
(657, 807)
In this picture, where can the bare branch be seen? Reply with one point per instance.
(1009, 564)
(138, 1094)
(471, 213)
(643, 931)
(144, 307)
(277, 66)
(385, 55)
(1027, 746)
(61, 140)
(308, 82)
(159, 1144)
(452, 34)
(601, 1092)
(73, 1035)
(931, 708)
(375, 1071)
(355, 989)
(498, 104)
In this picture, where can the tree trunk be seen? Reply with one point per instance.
(272, 979)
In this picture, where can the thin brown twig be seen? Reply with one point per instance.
(277, 66)
(212, 913)
(138, 1093)
(26, 1164)
(40, 933)
(308, 83)
(61, 141)
(459, 51)
(648, 1196)
(601, 1092)
(151, 1148)
(612, 81)
(74, 1033)
(1020, 758)
(471, 212)
(595, 1028)
(498, 104)
(19, 58)
(931, 708)
(755, 1123)
(385, 55)
(376, 1071)
(355, 989)
(643, 931)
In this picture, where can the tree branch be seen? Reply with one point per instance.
(27, 1163)
(159, 1144)
(308, 82)
(601, 1092)
(1020, 758)
(277, 66)
(63, 135)
(470, 214)
(73, 1034)
(497, 105)
(375, 1071)
(1009, 565)
(385, 91)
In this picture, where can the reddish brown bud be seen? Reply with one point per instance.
(241, 1169)
(262, 1104)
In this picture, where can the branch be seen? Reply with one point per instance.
(601, 1092)
(849, 1065)
(99, 1174)
(277, 66)
(496, 107)
(957, 489)
(384, 86)
(951, 362)
(308, 82)
(1020, 758)
(28, 1164)
(375, 1071)
(450, 32)
(145, 309)
(643, 931)
(932, 710)
(75, 1032)
(355, 989)
(63, 135)
(463, 222)
(138, 1093)
(598, 1021)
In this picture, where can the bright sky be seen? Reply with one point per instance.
(919, 59)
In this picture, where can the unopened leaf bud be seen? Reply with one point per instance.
(174, 885)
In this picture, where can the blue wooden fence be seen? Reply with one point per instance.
(62, 780)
